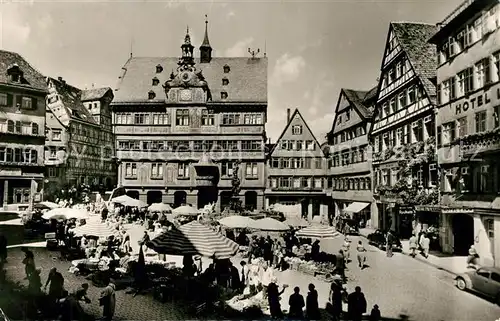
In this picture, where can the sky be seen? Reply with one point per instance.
(314, 48)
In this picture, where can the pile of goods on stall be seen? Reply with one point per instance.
(244, 302)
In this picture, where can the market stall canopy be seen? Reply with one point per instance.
(128, 201)
(270, 224)
(318, 231)
(237, 221)
(185, 210)
(65, 213)
(288, 210)
(95, 228)
(194, 239)
(296, 222)
(356, 207)
(159, 207)
(46, 204)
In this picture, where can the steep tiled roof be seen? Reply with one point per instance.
(71, 99)
(31, 76)
(247, 78)
(94, 93)
(362, 100)
(413, 38)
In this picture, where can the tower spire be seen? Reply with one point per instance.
(205, 48)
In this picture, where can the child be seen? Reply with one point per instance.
(375, 314)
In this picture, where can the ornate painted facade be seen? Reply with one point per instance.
(403, 133)
(168, 113)
(22, 123)
(296, 169)
(468, 77)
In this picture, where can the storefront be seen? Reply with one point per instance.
(428, 219)
(406, 216)
(359, 212)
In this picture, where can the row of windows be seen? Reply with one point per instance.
(81, 131)
(417, 131)
(53, 134)
(349, 134)
(486, 23)
(90, 164)
(7, 100)
(348, 157)
(296, 162)
(449, 131)
(481, 178)
(18, 155)
(19, 127)
(482, 73)
(183, 118)
(197, 145)
(296, 182)
(297, 145)
(424, 176)
(156, 170)
(395, 72)
(346, 113)
(358, 183)
(406, 97)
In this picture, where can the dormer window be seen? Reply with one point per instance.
(226, 69)
(223, 95)
(225, 81)
(15, 73)
(159, 68)
(151, 95)
(156, 81)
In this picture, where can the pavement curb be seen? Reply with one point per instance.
(423, 260)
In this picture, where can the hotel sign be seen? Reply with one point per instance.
(477, 100)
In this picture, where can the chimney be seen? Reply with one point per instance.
(61, 80)
(288, 115)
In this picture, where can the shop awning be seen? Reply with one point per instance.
(356, 207)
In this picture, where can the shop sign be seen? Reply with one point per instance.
(477, 100)
(10, 172)
(406, 210)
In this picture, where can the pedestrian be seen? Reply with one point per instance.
(472, 258)
(273, 298)
(340, 265)
(312, 305)
(346, 247)
(425, 244)
(244, 274)
(296, 303)
(361, 255)
(104, 213)
(336, 300)
(108, 302)
(389, 241)
(356, 305)
(29, 262)
(56, 281)
(375, 314)
(413, 245)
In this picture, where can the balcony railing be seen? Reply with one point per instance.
(298, 189)
(479, 143)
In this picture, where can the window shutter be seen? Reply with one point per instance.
(10, 100)
(34, 103)
(19, 101)
(439, 132)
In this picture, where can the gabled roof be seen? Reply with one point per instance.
(94, 93)
(247, 79)
(413, 38)
(31, 77)
(71, 100)
(296, 112)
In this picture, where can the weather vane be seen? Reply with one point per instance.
(253, 52)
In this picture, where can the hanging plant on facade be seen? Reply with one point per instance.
(475, 137)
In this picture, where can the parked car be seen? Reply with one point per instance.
(378, 239)
(484, 280)
(350, 227)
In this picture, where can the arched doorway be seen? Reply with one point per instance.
(251, 200)
(133, 194)
(225, 200)
(463, 233)
(207, 195)
(154, 197)
(305, 208)
(180, 198)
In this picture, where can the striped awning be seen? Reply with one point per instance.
(194, 239)
(95, 228)
(318, 231)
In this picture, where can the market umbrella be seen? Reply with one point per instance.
(318, 231)
(46, 204)
(270, 224)
(194, 239)
(95, 228)
(185, 210)
(296, 222)
(159, 207)
(65, 213)
(237, 221)
(128, 201)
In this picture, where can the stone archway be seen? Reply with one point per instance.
(463, 233)
(180, 198)
(133, 194)
(251, 200)
(154, 197)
